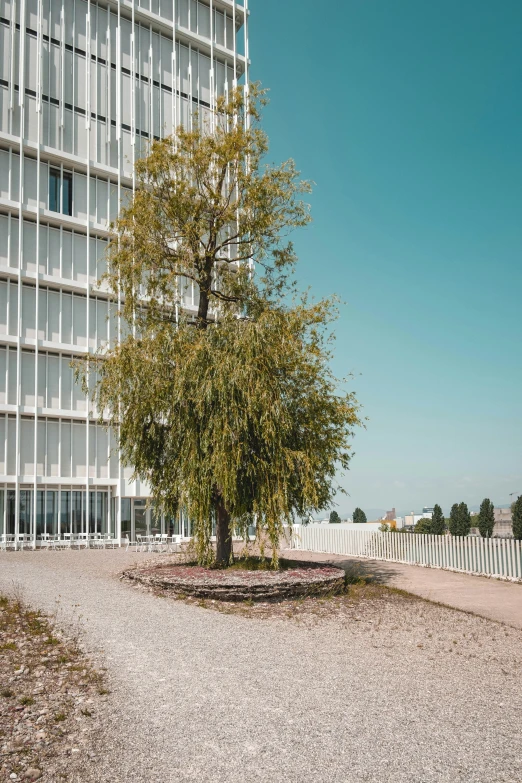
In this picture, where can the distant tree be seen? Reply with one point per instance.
(384, 527)
(334, 518)
(423, 525)
(454, 519)
(438, 523)
(460, 520)
(359, 517)
(465, 519)
(516, 510)
(486, 518)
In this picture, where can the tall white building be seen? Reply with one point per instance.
(84, 87)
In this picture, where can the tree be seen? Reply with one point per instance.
(486, 518)
(229, 410)
(516, 510)
(334, 517)
(460, 520)
(454, 519)
(438, 523)
(359, 517)
(423, 525)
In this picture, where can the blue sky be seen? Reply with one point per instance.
(408, 117)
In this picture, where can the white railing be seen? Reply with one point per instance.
(498, 557)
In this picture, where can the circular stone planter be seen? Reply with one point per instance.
(237, 584)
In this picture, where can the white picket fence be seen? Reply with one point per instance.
(497, 557)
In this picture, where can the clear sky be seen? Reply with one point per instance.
(408, 116)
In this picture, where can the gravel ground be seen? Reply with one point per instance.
(395, 689)
(49, 696)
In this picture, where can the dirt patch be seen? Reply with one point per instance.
(355, 603)
(48, 697)
(240, 584)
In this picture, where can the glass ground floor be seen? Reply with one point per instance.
(65, 512)
(138, 517)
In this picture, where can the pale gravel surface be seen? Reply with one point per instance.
(197, 695)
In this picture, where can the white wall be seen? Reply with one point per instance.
(346, 526)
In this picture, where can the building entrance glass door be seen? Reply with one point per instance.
(140, 519)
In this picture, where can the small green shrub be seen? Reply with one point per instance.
(359, 517)
(423, 526)
(52, 640)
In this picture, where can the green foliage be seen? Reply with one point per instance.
(486, 518)
(423, 525)
(438, 523)
(454, 519)
(460, 520)
(384, 527)
(359, 517)
(334, 517)
(231, 413)
(516, 509)
(205, 207)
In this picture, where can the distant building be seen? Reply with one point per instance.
(410, 520)
(503, 523)
(327, 521)
(390, 515)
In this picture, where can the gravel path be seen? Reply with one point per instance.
(494, 599)
(401, 691)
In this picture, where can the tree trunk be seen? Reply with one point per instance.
(202, 316)
(205, 284)
(223, 534)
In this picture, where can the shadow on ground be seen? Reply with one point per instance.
(371, 571)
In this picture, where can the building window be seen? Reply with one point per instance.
(54, 190)
(60, 191)
(67, 193)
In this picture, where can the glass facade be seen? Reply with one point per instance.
(96, 84)
(138, 517)
(56, 512)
